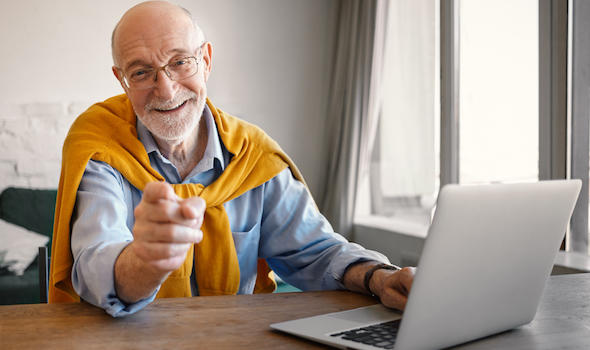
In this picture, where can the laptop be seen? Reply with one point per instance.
(487, 256)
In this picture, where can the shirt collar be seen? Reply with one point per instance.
(213, 150)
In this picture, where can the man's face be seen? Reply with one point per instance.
(170, 109)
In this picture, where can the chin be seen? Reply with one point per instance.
(175, 136)
(174, 128)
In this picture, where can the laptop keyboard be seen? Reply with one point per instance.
(381, 335)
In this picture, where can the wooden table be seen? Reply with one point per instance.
(224, 322)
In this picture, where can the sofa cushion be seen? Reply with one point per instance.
(30, 208)
(20, 289)
(18, 247)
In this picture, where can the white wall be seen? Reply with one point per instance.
(271, 66)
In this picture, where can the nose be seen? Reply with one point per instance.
(165, 87)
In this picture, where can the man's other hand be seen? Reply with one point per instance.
(166, 226)
(393, 287)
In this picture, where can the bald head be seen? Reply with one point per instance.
(150, 18)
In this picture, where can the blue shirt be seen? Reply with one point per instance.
(277, 221)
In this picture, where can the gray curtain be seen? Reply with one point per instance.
(353, 106)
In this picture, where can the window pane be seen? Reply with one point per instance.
(409, 105)
(404, 171)
(499, 89)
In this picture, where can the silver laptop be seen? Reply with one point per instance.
(488, 254)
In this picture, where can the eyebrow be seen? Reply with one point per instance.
(140, 62)
(136, 63)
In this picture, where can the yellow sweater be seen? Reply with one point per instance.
(107, 132)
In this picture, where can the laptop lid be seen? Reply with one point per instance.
(488, 253)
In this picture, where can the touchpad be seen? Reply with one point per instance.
(368, 314)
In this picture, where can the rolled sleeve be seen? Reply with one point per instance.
(299, 243)
(99, 234)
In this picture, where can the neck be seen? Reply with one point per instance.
(187, 153)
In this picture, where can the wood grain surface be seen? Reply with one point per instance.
(242, 322)
(221, 322)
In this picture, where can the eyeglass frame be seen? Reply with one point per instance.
(198, 58)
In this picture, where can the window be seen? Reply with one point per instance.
(479, 124)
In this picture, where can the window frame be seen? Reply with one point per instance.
(449, 92)
(577, 239)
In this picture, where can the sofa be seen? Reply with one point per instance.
(32, 209)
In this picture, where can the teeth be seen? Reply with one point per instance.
(169, 109)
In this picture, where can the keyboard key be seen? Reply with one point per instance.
(380, 335)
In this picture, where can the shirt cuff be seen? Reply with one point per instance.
(93, 279)
(118, 308)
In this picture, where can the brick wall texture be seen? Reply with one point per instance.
(31, 139)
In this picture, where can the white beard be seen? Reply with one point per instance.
(175, 125)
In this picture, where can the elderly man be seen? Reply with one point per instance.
(176, 198)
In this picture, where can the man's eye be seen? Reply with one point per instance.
(139, 74)
(180, 62)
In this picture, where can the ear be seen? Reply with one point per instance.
(207, 52)
(117, 74)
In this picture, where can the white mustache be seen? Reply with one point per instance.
(161, 104)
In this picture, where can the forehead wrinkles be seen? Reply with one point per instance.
(157, 49)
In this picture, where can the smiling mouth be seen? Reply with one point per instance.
(171, 109)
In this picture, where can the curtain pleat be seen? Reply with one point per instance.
(353, 106)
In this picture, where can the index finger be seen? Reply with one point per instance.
(155, 191)
(193, 207)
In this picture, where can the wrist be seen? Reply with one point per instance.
(370, 277)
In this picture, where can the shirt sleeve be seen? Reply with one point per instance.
(99, 234)
(299, 243)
